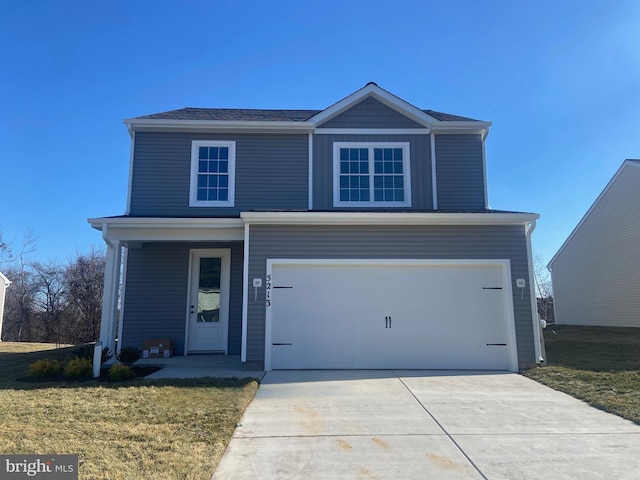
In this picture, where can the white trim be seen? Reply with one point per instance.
(406, 162)
(373, 90)
(164, 222)
(484, 174)
(456, 127)
(626, 163)
(169, 229)
(130, 184)
(505, 265)
(110, 296)
(225, 286)
(310, 192)
(123, 290)
(372, 131)
(231, 173)
(245, 294)
(248, 126)
(434, 175)
(387, 218)
(532, 295)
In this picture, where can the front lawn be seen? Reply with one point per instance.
(599, 365)
(161, 429)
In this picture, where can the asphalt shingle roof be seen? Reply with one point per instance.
(242, 114)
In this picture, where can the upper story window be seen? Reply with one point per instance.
(371, 174)
(212, 173)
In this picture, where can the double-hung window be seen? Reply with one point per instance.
(212, 173)
(371, 174)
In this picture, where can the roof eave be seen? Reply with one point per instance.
(156, 124)
(388, 218)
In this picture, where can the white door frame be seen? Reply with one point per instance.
(225, 284)
(504, 264)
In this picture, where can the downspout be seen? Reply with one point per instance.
(537, 335)
(245, 294)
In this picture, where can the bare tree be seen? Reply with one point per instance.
(19, 312)
(49, 302)
(84, 284)
(544, 289)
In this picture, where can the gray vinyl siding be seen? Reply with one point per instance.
(420, 158)
(370, 113)
(271, 173)
(398, 242)
(459, 172)
(596, 276)
(156, 293)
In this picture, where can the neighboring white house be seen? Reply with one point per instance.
(596, 272)
(4, 283)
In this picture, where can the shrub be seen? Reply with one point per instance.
(84, 351)
(129, 355)
(79, 368)
(121, 372)
(44, 368)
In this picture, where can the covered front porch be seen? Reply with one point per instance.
(150, 283)
(203, 365)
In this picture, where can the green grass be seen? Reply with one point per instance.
(161, 429)
(599, 365)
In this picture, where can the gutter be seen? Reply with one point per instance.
(537, 336)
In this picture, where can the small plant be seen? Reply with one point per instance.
(78, 368)
(106, 354)
(44, 368)
(128, 355)
(121, 372)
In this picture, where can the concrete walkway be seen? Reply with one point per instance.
(424, 425)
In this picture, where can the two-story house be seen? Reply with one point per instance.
(358, 236)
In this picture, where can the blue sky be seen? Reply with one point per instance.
(560, 80)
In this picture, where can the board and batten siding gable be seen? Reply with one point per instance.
(271, 172)
(460, 171)
(596, 276)
(420, 158)
(156, 293)
(397, 242)
(370, 113)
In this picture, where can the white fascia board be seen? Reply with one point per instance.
(372, 90)
(5, 280)
(156, 124)
(169, 229)
(386, 218)
(372, 131)
(626, 163)
(457, 127)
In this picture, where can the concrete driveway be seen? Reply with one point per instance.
(424, 425)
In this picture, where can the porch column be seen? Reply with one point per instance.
(110, 298)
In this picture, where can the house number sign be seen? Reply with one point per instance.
(268, 292)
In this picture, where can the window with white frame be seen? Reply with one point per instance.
(212, 173)
(371, 174)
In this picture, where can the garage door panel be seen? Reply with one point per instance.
(389, 316)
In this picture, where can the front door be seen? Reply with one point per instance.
(208, 309)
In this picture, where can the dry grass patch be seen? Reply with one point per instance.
(163, 429)
(599, 365)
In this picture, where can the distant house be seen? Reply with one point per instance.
(4, 283)
(596, 272)
(357, 236)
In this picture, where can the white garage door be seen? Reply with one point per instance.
(390, 315)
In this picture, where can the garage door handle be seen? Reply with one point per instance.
(387, 322)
